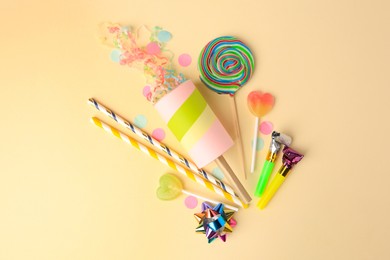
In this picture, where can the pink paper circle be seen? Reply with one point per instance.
(185, 59)
(146, 92)
(153, 48)
(158, 134)
(191, 202)
(266, 127)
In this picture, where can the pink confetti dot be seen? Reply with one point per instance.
(153, 48)
(266, 127)
(146, 92)
(185, 59)
(191, 202)
(158, 134)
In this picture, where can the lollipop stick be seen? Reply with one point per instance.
(238, 133)
(256, 130)
(209, 200)
(233, 180)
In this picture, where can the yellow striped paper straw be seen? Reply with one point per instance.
(161, 147)
(127, 139)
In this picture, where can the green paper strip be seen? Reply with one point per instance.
(187, 114)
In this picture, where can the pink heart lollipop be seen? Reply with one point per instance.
(259, 104)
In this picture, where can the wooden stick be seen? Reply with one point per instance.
(238, 134)
(233, 180)
(254, 145)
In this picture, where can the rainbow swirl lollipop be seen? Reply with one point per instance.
(225, 64)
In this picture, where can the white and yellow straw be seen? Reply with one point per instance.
(165, 149)
(168, 162)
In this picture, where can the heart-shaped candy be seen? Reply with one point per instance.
(170, 187)
(260, 103)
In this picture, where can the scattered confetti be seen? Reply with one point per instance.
(158, 134)
(191, 202)
(147, 92)
(140, 121)
(153, 59)
(116, 55)
(259, 144)
(217, 172)
(266, 127)
(185, 59)
(153, 48)
(164, 36)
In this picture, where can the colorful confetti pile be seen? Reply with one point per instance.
(151, 59)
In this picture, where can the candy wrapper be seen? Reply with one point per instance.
(153, 59)
(215, 222)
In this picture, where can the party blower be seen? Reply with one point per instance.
(290, 158)
(179, 103)
(277, 141)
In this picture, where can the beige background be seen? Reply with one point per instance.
(70, 191)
